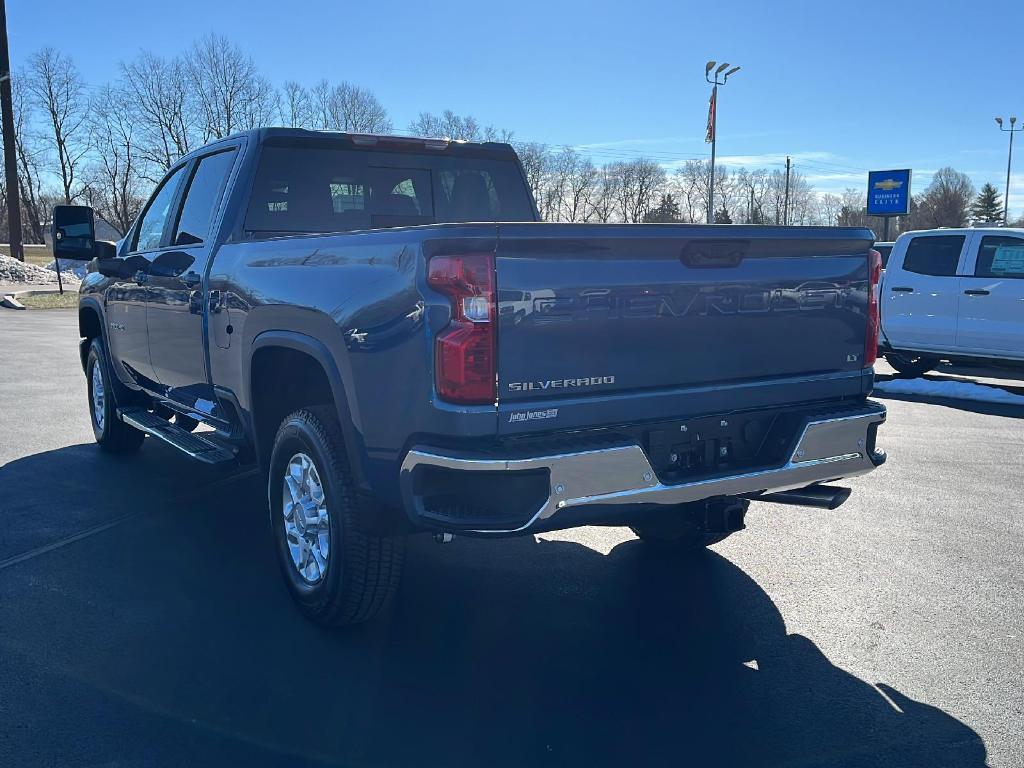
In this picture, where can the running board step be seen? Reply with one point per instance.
(196, 446)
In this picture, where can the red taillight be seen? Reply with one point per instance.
(464, 364)
(874, 318)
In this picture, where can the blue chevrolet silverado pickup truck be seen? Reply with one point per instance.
(383, 326)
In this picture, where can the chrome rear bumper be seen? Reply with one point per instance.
(828, 449)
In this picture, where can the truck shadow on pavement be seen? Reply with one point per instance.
(168, 638)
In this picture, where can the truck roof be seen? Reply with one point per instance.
(965, 230)
(372, 140)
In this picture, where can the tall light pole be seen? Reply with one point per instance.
(1009, 161)
(712, 134)
(10, 157)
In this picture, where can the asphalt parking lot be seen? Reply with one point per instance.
(143, 621)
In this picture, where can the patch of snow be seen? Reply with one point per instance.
(16, 272)
(957, 390)
(77, 268)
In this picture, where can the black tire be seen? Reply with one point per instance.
(910, 364)
(362, 570)
(111, 433)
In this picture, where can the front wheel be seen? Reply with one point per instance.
(910, 364)
(337, 572)
(111, 433)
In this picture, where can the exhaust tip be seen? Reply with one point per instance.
(840, 496)
(821, 496)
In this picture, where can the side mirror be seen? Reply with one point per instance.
(74, 233)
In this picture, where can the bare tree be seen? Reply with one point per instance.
(536, 160)
(55, 86)
(751, 192)
(162, 109)
(116, 189)
(230, 93)
(579, 185)
(31, 150)
(449, 125)
(605, 198)
(829, 207)
(357, 110)
(639, 182)
(346, 107)
(296, 105)
(690, 187)
(946, 201)
(801, 197)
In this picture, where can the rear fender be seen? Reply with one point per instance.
(317, 350)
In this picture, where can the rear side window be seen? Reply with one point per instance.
(325, 189)
(1000, 257)
(203, 198)
(934, 255)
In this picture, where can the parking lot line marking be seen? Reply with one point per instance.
(42, 550)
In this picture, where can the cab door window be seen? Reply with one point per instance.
(149, 234)
(1000, 256)
(937, 255)
(202, 198)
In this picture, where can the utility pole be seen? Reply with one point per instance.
(785, 206)
(1009, 161)
(712, 133)
(750, 208)
(10, 149)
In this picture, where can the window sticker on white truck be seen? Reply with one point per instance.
(1008, 260)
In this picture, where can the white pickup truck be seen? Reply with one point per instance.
(953, 294)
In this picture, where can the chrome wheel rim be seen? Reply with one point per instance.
(97, 396)
(307, 526)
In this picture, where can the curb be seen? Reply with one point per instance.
(9, 299)
(36, 292)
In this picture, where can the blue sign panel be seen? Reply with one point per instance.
(889, 193)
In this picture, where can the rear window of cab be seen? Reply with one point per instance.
(308, 189)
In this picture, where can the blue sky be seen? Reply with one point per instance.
(841, 87)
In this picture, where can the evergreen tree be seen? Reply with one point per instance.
(987, 207)
(667, 211)
(722, 216)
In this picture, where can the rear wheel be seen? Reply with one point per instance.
(110, 432)
(337, 572)
(910, 364)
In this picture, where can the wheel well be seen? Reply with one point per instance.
(283, 380)
(89, 327)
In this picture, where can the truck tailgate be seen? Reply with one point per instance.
(588, 311)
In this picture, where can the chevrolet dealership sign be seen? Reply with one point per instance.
(889, 193)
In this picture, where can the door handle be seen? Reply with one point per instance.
(976, 292)
(191, 279)
(902, 289)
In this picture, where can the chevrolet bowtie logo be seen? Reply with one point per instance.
(888, 184)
